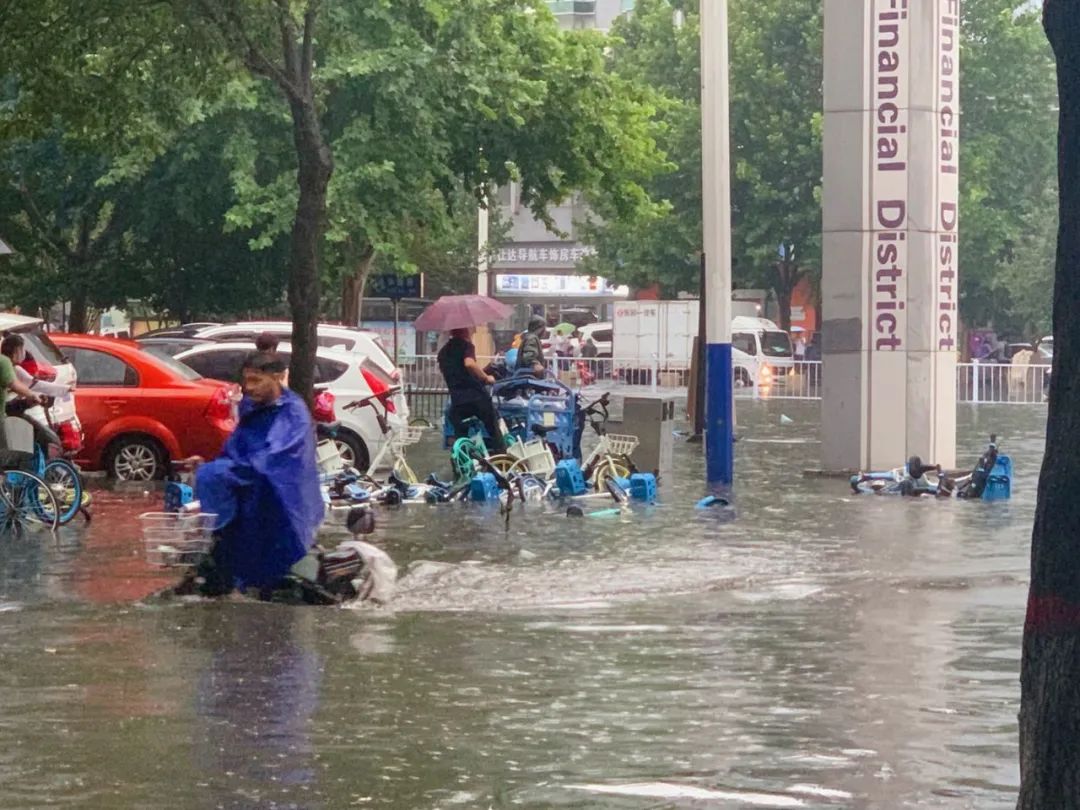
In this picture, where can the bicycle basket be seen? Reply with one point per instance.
(176, 538)
(621, 444)
(410, 434)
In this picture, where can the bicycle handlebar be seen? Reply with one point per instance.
(367, 402)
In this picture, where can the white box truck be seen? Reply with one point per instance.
(660, 334)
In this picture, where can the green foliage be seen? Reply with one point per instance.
(1008, 180)
(775, 91)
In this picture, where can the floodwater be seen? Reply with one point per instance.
(821, 651)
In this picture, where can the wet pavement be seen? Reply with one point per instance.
(823, 650)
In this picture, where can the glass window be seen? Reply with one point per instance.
(744, 342)
(776, 344)
(220, 364)
(101, 369)
(601, 335)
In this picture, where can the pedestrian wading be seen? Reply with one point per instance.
(1050, 670)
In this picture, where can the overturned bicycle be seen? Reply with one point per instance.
(990, 479)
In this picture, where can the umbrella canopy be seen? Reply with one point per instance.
(461, 311)
(563, 329)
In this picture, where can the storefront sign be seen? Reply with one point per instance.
(568, 286)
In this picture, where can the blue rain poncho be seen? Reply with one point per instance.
(264, 487)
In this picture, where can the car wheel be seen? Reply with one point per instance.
(354, 452)
(135, 458)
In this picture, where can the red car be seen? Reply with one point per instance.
(139, 410)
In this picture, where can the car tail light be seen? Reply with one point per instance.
(323, 410)
(70, 437)
(380, 390)
(39, 369)
(221, 411)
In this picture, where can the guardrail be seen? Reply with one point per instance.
(987, 383)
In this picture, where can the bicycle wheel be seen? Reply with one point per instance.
(503, 463)
(26, 502)
(64, 480)
(610, 467)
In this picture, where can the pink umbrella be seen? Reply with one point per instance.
(459, 312)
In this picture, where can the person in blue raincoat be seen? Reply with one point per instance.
(264, 486)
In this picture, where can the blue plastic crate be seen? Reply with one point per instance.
(643, 487)
(524, 401)
(569, 478)
(177, 496)
(483, 488)
(999, 482)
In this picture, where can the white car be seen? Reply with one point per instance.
(51, 365)
(600, 334)
(359, 437)
(365, 345)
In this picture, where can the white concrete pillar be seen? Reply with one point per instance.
(888, 250)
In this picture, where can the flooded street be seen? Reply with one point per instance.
(823, 650)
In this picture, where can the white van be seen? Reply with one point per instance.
(761, 351)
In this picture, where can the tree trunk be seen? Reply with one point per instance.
(78, 313)
(352, 288)
(313, 176)
(1050, 668)
(787, 278)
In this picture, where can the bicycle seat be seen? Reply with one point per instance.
(541, 430)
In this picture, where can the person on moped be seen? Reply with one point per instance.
(264, 486)
(531, 354)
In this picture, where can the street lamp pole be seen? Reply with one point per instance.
(716, 218)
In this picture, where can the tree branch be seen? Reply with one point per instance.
(307, 56)
(231, 26)
(288, 43)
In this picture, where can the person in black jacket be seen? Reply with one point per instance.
(468, 383)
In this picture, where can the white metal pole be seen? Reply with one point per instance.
(482, 252)
(716, 219)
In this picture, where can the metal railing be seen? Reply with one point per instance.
(1002, 383)
(985, 383)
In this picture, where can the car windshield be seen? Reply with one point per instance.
(161, 353)
(775, 344)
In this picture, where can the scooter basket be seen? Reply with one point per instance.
(175, 538)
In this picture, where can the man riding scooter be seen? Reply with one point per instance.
(264, 487)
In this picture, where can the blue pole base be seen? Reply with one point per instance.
(719, 418)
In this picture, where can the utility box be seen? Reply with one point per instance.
(651, 417)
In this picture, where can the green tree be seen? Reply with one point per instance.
(776, 74)
(1007, 176)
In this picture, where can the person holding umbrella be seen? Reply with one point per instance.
(468, 383)
(466, 380)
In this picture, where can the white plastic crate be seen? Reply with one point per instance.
(534, 455)
(328, 457)
(177, 538)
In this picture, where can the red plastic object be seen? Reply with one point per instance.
(323, 410)
(70, 437)
(380, 390)
(40, 370)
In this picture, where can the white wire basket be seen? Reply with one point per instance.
(406, 435)
(620, 444)
(175, 538)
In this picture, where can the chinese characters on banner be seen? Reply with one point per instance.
(542, 255)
